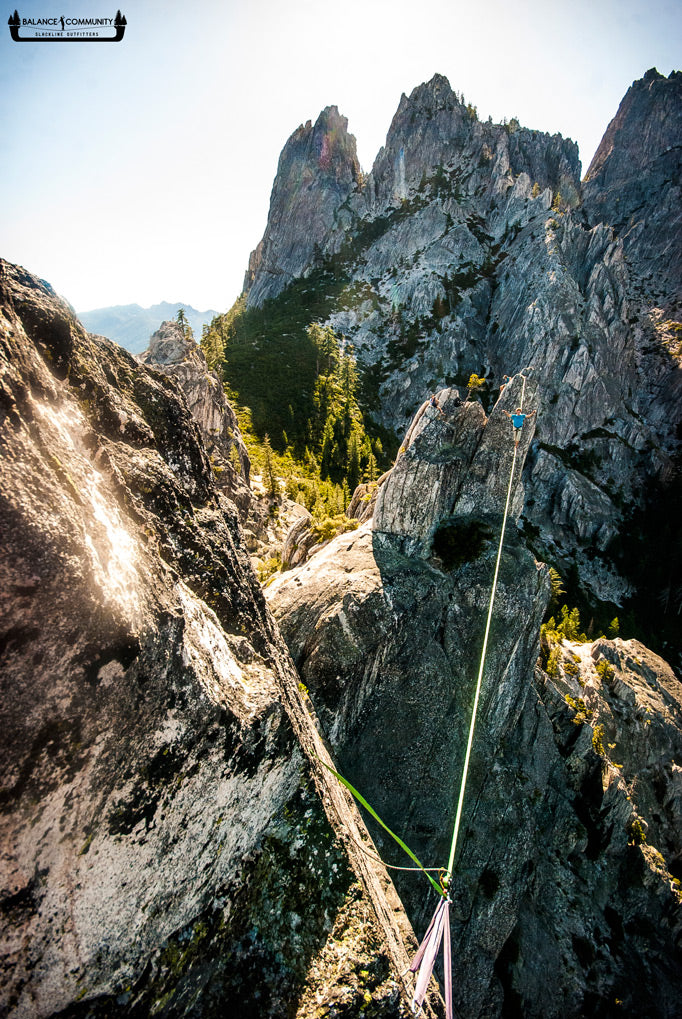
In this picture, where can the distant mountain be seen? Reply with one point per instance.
(131, 326)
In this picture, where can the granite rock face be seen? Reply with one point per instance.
(568, 858)
(639, 157)
(382, 622)
(318, 169)
(602, 883)
(474, 247)
(170, 844)
(454, 461)
(174, 353)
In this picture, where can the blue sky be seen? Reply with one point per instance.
(141, 171)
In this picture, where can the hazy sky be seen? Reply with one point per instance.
(141, 171)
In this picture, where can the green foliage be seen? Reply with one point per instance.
(637, 833)
(321, 498)
(613, 628)
(598, 740)
(457, 542)
(557, 585)
(268, 569)
(475, 383)
(213, 346)
(569, 623)
(181, 319)
(604, 670)
(337, 426)
(553, 660)
(296, 381)
(329, 527)
(269, 474)
(551, 635)
(582, 712)
(271, 360)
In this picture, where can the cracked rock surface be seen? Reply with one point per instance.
(170, 845)
(568, 858)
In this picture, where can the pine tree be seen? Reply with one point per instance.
(569, 624)
(181, 319)
(371, 468)
(269, 476)
(328, 444)
(557, 585)
(353, 470)
(213, 347)
(327, 346)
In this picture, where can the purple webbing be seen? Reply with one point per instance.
(438, 929)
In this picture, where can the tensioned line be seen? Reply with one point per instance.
(470, 741)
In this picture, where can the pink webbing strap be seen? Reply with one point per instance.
(424, 960)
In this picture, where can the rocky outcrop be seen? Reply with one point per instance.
(381, 623)
(317, 171)
(640, 157)
(434, 128)
(270, 520)
(459, 468)
(473, 247)
(298, 542)
(602, 887)
(176, 354)
(170, 843)
(568, 855)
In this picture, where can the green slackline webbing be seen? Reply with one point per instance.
(470, 741)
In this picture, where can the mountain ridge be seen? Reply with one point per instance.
(475, 248)
(131, 325)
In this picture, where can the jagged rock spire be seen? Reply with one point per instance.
(317, 170)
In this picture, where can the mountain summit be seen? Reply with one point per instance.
(473, 247)
(317, 171)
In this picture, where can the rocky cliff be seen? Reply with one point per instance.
(633, 183)
(474, 247)
(170, 844)
(569, 853)
(317, 171)
(176, 354)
